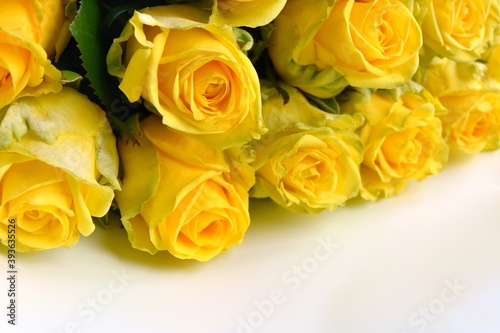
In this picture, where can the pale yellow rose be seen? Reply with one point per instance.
(58, 168)
(309, 160)
(180, 195)
(472, 123)
(192, 73)
(323, 46)
(25, 68)
(402, 138)
(248, 13)
(461, 30)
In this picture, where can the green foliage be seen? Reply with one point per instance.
(88, 29)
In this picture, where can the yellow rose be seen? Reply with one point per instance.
(24, 66)
(370, 43)
(417, 7)
(181, 196)
(249, 13)
(492, 72)
(292, 48)
(401, 137)
(473, 120)
(472, 123)
(309, 160)
(58, 168)
(194, 74)
(378, 42)
(54, 27)
(461, 30)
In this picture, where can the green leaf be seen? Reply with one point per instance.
(71, 79)
(88, 29)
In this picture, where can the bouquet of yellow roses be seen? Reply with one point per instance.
(174, 113)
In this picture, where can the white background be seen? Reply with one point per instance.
(427, 260)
